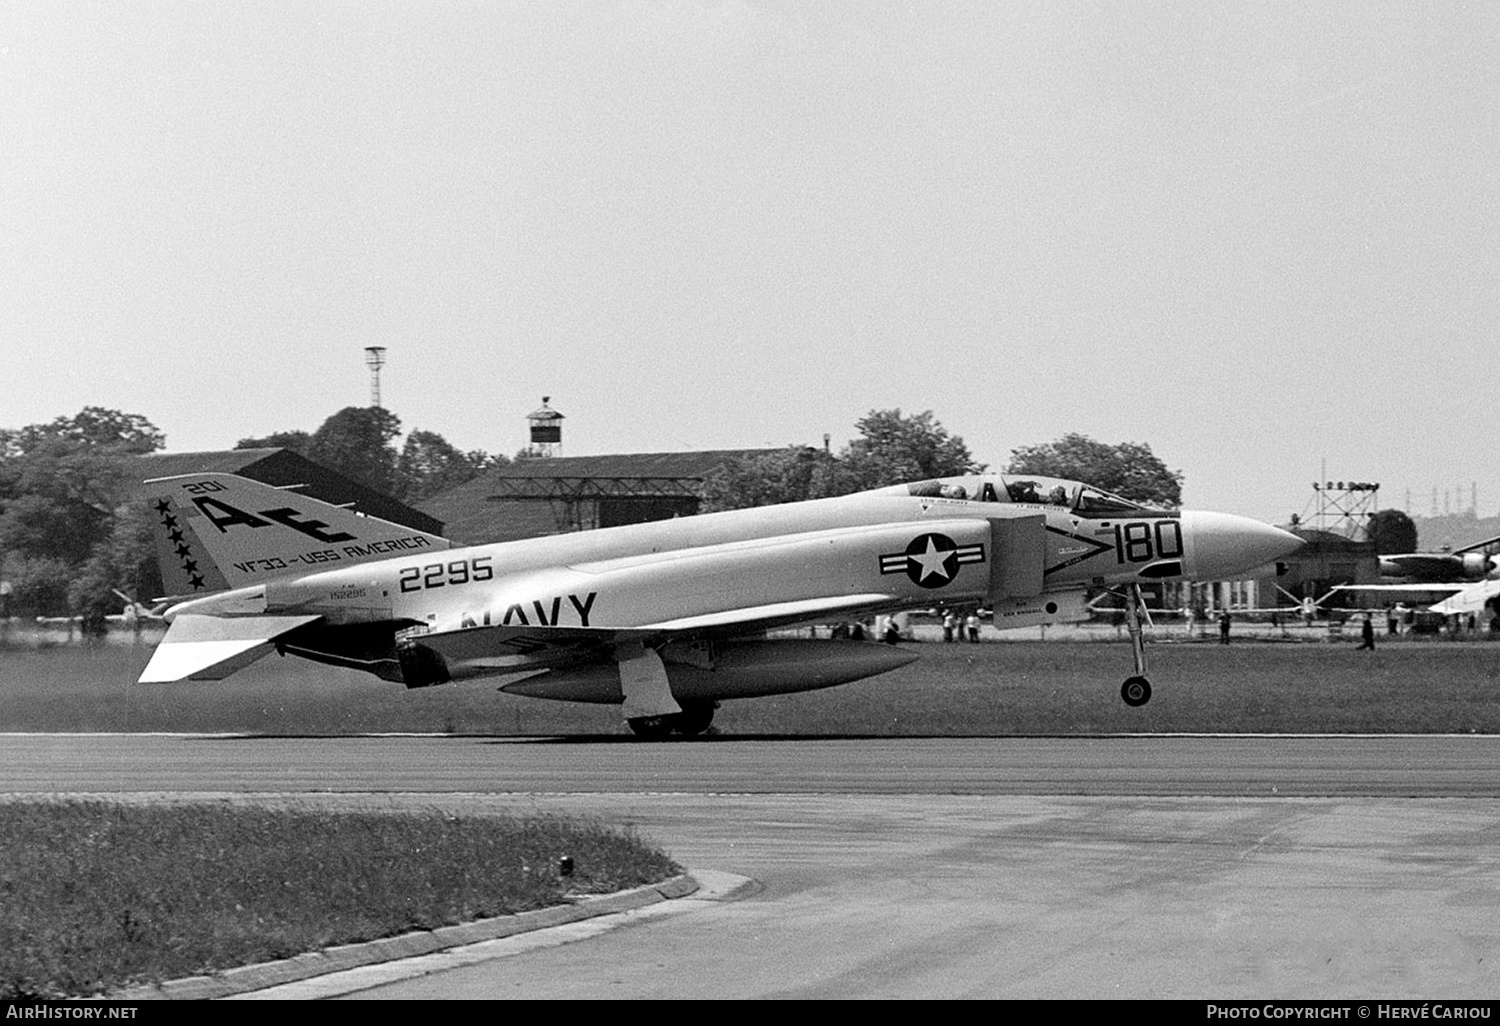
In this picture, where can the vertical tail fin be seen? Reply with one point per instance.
(217, 531)
(185, 565)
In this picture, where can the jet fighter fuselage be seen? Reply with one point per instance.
(649, 615)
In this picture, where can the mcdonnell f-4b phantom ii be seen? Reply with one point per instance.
(669, 618)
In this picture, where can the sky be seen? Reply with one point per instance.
(1261, 238)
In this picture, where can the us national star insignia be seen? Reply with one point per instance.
(931, 560)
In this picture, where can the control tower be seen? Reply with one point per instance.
(546, 430)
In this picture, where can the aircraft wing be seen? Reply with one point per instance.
(1469, 599)
(632, 650)
(1415, 594)
(521, 646)
(1446, 599)
(212, 647)
(777, 614)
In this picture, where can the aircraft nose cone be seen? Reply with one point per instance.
(1222, 545)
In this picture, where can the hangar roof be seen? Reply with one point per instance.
(662, 465)
(285, 467)
(473, 511)
(1319, 540)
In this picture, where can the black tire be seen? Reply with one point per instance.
(695, 718)
(1136, 691)
(653, 728)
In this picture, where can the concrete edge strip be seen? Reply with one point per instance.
(408, 945)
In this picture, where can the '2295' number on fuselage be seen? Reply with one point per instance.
(441, 575)
(1141, 541)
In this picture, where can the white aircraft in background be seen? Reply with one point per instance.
(666, 619)
(1461, 566)
(137, 612)
(1473, 573)
(1462, 581)
(133, 613)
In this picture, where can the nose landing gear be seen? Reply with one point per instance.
(1136, 691)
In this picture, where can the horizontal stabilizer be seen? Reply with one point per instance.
(213, 647)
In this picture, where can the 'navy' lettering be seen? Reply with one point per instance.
(583, 607)
(546, 616)
(541, 612)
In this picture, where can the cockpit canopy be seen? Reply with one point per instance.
(1084, 500)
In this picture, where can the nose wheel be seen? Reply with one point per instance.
(1136, 691)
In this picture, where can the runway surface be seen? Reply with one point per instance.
(1378, 766)
(1149, 867)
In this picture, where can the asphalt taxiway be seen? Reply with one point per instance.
(1254, 867)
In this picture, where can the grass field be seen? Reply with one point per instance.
(95, 896)
(993, 688)
(129, 917)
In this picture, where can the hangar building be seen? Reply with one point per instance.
(535, 497)
(283, 467)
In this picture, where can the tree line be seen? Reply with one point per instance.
(74, 535)
(359, 442)
(894, 448)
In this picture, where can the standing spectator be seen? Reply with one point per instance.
(949, 620)
(972, 623)
(1223, 626)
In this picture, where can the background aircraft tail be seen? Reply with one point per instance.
(217, 531)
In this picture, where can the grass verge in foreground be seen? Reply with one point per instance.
(95, 896)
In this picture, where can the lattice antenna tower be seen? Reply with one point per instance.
(375, 359)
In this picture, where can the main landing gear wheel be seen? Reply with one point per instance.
(695, 718)
(1136, 691)
(653, 728)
